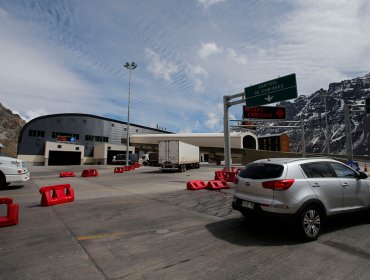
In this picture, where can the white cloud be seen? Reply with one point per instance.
(214, 117)
(197, 74)
(208, 3)
(208, 49)
(159, 67)
(241, 59)
(212, 120)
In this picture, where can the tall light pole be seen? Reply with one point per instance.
(130, 67)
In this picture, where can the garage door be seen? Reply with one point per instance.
(64, 158)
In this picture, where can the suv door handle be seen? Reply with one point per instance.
(345, 185)
(316, 185)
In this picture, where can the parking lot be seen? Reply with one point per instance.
(145, 224)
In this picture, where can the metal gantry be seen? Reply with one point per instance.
(239, 98)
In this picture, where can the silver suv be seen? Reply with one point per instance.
(306, 189)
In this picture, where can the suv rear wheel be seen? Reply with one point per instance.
(310, 223)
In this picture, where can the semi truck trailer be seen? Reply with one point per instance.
(177, 155)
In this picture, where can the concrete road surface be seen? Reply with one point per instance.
(144, 224)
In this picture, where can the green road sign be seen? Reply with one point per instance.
(367, 105)
(280, 89)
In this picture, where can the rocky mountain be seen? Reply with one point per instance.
(10, 127)
(312, 109)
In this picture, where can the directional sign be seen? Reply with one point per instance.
(280, 89)
(367, 105)
(264, 112)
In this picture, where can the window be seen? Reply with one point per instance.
(262, 171)
(77, 148)
(123, 141)
(343, 171)
(89, 137)
(98, 139)
(59, 146)
(36, 133)
(317, 170)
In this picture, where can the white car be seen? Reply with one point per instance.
(13, 171)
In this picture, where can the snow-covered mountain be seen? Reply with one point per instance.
(312, 109)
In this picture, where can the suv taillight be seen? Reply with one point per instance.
(278, 185)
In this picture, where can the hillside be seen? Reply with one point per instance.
(312, 109)
(10, 126)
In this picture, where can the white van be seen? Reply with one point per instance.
(13, 171)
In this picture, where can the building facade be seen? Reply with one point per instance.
(74, 139)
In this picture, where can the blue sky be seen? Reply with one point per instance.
(68, 55)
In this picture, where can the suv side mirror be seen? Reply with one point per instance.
(362, 175)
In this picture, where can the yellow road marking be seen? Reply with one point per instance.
(98, 236)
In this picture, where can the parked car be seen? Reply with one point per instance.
(12, 171)
(306, 190)
(120, 159)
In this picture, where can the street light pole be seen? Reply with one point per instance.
(130, 67)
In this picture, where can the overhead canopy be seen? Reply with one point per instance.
(211, 140)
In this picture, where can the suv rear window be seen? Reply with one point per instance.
(262, 171)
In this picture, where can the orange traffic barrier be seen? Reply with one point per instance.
(196, 185)
(11, 217)
(52, 195)
(90, 173)
(230, 176)
(217, 185)
(67, 174)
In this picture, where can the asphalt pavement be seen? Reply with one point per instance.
(145, 224)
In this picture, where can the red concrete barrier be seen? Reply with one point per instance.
(136, 165)
(196, 185)
(58, 194)
(67, 174)
(217, 185)
(119, 170)
(11, 218)
(230, 176)
(219, 175)
(90, 173)
(128, 168)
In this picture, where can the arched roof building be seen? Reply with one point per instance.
(73, 138)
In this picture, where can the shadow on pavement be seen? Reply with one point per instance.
(241, 232)
(11, 187)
